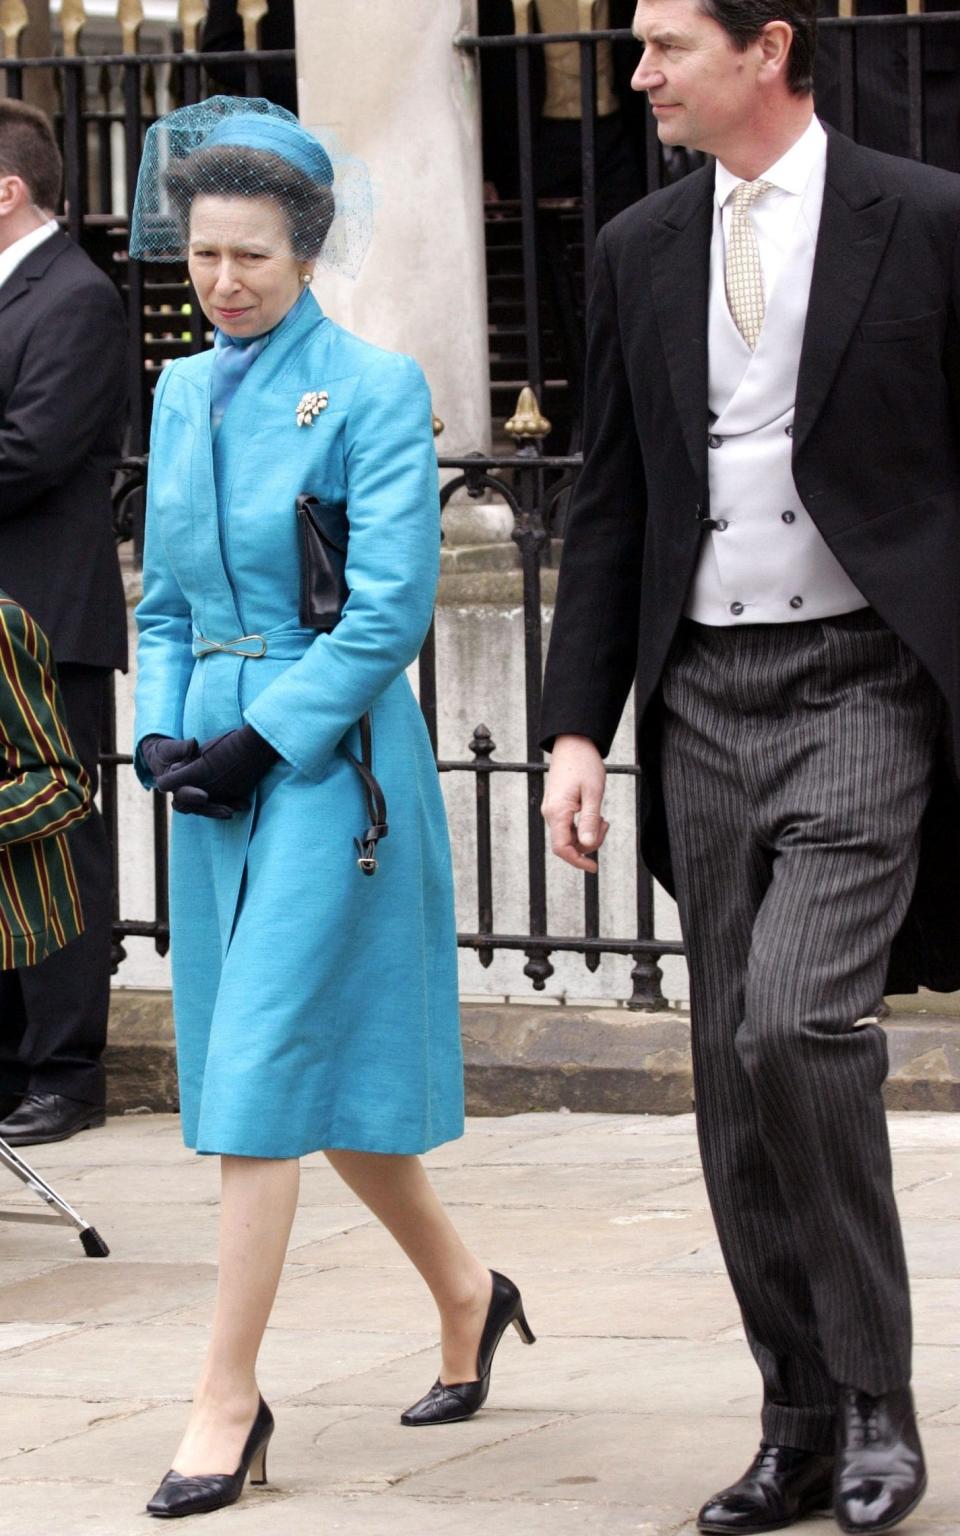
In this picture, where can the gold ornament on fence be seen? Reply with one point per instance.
(527, 420)
(311, 404)
(13, 19)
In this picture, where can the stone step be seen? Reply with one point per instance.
(601, 1060)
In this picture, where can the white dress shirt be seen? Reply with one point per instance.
(11, 258)
(797, 181)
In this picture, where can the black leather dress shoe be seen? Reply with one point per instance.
(44, 1117)
(880, 1474)
(782, 1485)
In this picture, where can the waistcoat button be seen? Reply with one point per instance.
(736, 608)
(789, 431)
(713, 441)
(796, 602)
(788, 517)
(721, 525)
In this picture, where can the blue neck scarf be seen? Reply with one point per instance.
(232, 356)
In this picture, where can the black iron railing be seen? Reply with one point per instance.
(532, 486)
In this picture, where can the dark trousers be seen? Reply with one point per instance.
(53, 1016)
(796, 765)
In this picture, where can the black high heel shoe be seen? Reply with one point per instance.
(448, 1404)
(180, 1495)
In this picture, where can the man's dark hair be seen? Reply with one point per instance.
(236, 171)
(29, 150)
(744, 20)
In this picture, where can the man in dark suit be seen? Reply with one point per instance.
(62, 399)
(766, 532)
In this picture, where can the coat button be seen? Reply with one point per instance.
(796, 602)
(788, 517)
(736, 608)
(721, 525)
(789, 431)
(713, 441)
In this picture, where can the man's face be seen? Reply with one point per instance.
(701, 89)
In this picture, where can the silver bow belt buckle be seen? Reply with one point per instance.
(252, 646)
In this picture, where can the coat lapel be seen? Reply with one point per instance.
(32, 267)
(855, 225)
(680, 281)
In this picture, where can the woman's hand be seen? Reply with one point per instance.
(161, 753)
(219, 779)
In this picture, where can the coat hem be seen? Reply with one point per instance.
(389, 1147)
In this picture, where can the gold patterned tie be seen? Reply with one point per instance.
(744, 275)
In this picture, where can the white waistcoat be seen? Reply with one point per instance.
(766, 562)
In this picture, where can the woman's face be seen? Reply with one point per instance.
(242, 264)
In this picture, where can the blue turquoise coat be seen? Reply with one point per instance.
(315, 1006)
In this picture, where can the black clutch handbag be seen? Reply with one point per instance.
(323, 530)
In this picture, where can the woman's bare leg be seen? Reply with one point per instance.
(398, 1192)
(258, 1201)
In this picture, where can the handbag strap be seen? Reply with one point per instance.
(366, 845)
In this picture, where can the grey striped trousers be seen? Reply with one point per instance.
(796, 765)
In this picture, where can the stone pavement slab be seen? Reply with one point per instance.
(639, 1399)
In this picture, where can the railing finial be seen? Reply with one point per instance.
(13, 20)
(191, 14)
(522, 17)
(130, 17)
(527, 420)
(73, 19)
(251, 14)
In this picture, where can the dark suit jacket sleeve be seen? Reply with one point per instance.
(43, 788)
(66, 387)
(593, 646)
(951, 360)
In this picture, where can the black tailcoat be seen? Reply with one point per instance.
(62, 409)
(876, 459)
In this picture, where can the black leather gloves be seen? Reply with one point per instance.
(161, 752)
(215, 779)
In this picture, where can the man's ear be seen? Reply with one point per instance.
(14, 195)
(775, 41)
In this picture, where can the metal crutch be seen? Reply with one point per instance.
(93, 1244)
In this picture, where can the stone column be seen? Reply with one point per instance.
(396, 92)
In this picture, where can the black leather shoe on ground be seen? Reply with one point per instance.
(781, 1486)
(44, 1117)
(180, 1495)
(449, 1403)
(880, 1474)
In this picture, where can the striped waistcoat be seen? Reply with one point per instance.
(43, 791)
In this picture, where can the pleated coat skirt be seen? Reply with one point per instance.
(315, 1006)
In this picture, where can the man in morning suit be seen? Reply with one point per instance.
(766, 532)
(62, 399)
(43, 792)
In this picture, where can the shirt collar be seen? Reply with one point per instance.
(11, 258)
(791, 172)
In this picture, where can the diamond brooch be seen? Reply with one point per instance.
(311, 404)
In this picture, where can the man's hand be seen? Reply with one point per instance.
(572, 801)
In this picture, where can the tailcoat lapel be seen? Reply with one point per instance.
(680, 281)
(855, 225)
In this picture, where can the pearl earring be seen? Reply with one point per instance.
(306, 278)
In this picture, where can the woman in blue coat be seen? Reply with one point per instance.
(315, 1004)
